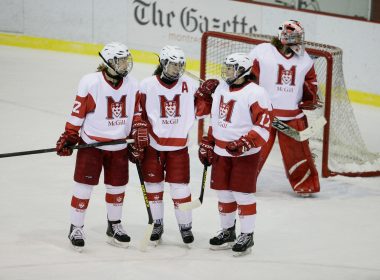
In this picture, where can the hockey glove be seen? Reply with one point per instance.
(65, 140)
(239, 147)
(206, 151)
(134, 154)
(140, 134)
(206, 90)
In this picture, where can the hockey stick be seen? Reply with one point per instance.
(283, 127)
(149, 229)
(49, 150)
(296, 134)
(196, 203)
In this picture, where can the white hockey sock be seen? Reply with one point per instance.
(114, 201)
(247, 211)
(79, 203)
(155, 193)
(227, 209)
(180, 193)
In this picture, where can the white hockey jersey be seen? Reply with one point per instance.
(239, 112)
(170, 111)
(283, 78)
(103, 112)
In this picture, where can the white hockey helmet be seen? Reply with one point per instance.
(291, 34)
(235, 66)
(118, 58)
(173, 62)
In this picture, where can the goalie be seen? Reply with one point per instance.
(286, 71)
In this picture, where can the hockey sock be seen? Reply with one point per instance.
(155, 193)
(227, 209)
(180, 193)
(79, 203)
(246, 204)
(114, 200)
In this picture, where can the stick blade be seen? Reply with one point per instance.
(314, 128)
(145, 240)
(190, 205)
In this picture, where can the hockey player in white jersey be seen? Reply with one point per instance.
(286, 71)
(240, 122)
(104, 110)
(171, 105)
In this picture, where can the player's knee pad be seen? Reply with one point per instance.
(179, 190)
(225, 196)
(244, 198)
(82, 190)
(154, 187)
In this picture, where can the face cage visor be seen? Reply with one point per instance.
(173, 70)
(123, 65)
(231, 72)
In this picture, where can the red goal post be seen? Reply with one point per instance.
(340, 145)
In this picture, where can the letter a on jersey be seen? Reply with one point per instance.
(287, 77)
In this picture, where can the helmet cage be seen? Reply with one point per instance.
(173, 62)
(292, 34)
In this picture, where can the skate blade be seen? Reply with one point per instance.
(188, 245)
(304, 195)
(156, 242)
(112, 241)
(241, 254)
(225, 246)
(78, 249)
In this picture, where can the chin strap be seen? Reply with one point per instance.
(119, 75)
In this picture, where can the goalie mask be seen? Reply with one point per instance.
(292, 34)
(118, 58)
(173, 62)
(235, 66)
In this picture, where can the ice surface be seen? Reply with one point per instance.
(334, 235)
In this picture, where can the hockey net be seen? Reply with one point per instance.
(339, 144)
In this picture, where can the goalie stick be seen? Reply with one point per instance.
(196, 203)
(49, 150)
(148, 231)
(283, 127)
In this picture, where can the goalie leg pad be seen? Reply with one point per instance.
(298, 161)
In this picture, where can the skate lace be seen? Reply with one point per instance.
(186, 233)
(243, 238)
(77, 233)
(157, 230)
(118, 229)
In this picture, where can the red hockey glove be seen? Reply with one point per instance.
(206, 151)
(206, 90)
(65, 140)
(140, 134)
(239, 147)
(134, 154)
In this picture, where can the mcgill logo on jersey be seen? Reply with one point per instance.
(226, 109)
(170, 108)
(286, 77)
(116, 109)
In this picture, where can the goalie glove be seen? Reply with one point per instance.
(68, 138)
(206, 90)
(239, 147)
(206, 151)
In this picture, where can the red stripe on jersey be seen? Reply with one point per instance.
(115, 198)
(286, 113)
(246, 210)
(78, 203)
(168, 141)
(227, 207)
(178, 201)
(221, 144)
(71, 127)
(155, 196)
(83, 105)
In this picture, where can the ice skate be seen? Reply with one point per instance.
(243, 245)
(224, 240)
(158, 230)
(187, 235)
(77, 237)
(117, 236)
